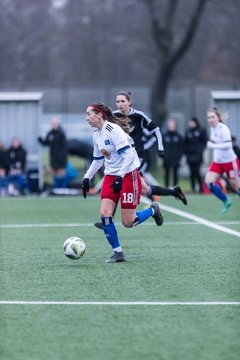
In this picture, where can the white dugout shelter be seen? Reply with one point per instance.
(20, 116)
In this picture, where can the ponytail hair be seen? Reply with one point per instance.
(221, 117)
(108, 115)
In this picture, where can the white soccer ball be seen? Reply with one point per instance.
(74, 247)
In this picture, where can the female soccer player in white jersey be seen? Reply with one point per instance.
(224, 158)
(140, 122)
(115, 148)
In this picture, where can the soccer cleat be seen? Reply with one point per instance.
(226, 206)
(179, 194)
(157, 214)
(99, 225)
(117, 257)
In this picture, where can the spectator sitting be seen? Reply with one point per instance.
(3, 170)
(16, 157)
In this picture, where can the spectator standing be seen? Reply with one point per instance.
(194, 144)
(57, 142)
(173, 147)
(16, 158)
(3, 169)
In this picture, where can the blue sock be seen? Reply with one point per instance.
(238, 192)
(110, 232)
(217, 191)
(143, 215)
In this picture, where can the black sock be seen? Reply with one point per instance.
(158, 190)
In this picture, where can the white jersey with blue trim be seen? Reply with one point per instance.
(220, 136)
(117, 149)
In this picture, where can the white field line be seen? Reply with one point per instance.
(11, 226)
(195, 218)
(52, 225)
(124, 303)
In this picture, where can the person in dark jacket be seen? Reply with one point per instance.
(173, 147)
(57, 142)
(16, 158)
(3, 169)
(194, 144)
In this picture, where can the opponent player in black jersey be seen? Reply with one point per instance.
(139, 122)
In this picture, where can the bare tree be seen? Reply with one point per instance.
(169, 53)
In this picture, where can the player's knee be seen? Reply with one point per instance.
(127, 223)
(106, 213)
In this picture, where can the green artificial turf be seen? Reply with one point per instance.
(180, 261)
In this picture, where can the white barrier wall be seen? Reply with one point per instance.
(20, 116)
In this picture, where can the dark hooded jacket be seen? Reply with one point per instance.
(16, 158)
(194, 144)
(57, 142)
